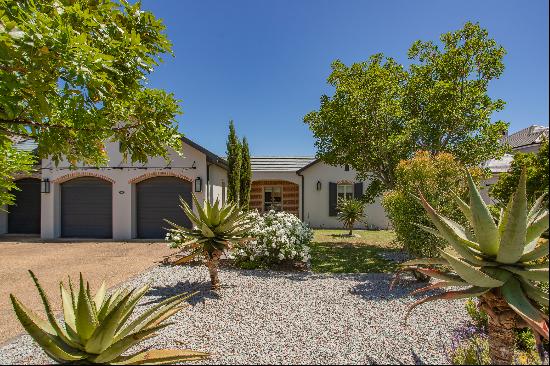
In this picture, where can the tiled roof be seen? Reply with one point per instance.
(499, 165)
(527, 136)
(280, 163)
(23, 144)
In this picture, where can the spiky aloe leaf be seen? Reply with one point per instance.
(449, 295)
(537, 227)
(103, 335)
(539, 275)
(68, 309)
(60, 332)
(538, 252)
(460, 245)
(152, 313)
(534, 292)
(537, 207)
(118, 348)
(484, 226)
(160, 357)
(470, 273)
(513, 236)
(52, 345)
(463, 206)
(517, 300)
(440, 284)
(439, 274)
(131, 304)
(433, 261)
(85, 319)
(100, 295)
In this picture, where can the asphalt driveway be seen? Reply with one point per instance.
(113, 262)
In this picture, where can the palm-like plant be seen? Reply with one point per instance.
(97, 330)
(350, 211)
(216, 229)
(500, 262)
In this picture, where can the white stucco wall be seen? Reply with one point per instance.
(217, 187)
(121, 174)
(316, 207)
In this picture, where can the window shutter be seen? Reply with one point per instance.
(332, 199)
(358, 190)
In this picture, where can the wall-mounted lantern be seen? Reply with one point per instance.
(318, 185)
(198, 184)
(45, 186)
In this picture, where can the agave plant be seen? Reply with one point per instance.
(97, 330)
(350, 211)
(216, 229)
(501, 263)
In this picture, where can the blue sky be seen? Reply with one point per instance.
(264, 63)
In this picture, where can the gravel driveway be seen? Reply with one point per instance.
(292, 318)
(113, 262)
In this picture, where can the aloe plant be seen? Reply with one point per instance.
(501, 263)
(216, 229)
(97, 329)
(349, 212)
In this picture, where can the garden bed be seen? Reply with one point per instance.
(291, 317)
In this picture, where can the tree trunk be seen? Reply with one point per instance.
(501, 328)
(212, 264)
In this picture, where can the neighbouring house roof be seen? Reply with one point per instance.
(279, 163)
(528, 136)
(499, 165)
(24, 144)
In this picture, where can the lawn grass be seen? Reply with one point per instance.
(334, 252)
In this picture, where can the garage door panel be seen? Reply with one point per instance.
(158, 199)
(86, 208)
(24, 215)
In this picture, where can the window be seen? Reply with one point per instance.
(346, 168)
(345, 191)
(273, 199)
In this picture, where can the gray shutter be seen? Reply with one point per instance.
(358, 190)
(332, 199)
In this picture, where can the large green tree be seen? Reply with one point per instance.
(536, 165)
(246, 176)
(234, 165)
(73, 77)
(382, 112)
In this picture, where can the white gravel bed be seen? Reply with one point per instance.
(266, 317)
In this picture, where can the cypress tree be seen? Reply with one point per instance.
(246, 176)
(234, 165)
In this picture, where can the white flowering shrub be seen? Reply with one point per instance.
(275, 237)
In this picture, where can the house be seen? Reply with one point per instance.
(310, 189)
(119, 201)
(526, 140)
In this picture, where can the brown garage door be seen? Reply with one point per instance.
(24, 215)
(86, 208)
(157, 199)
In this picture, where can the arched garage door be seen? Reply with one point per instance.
(86, 208)
(24, 215)
(157, 199)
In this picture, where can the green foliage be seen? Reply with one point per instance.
(72, 77)
(96, 328)
(12, 162)
(504, 255)
(246, 176)
(216, 229)
(234, 158)
(479, 317)
(440, 104)
(474, 351)
(349, 212)
(537, 176)
(436, 177)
